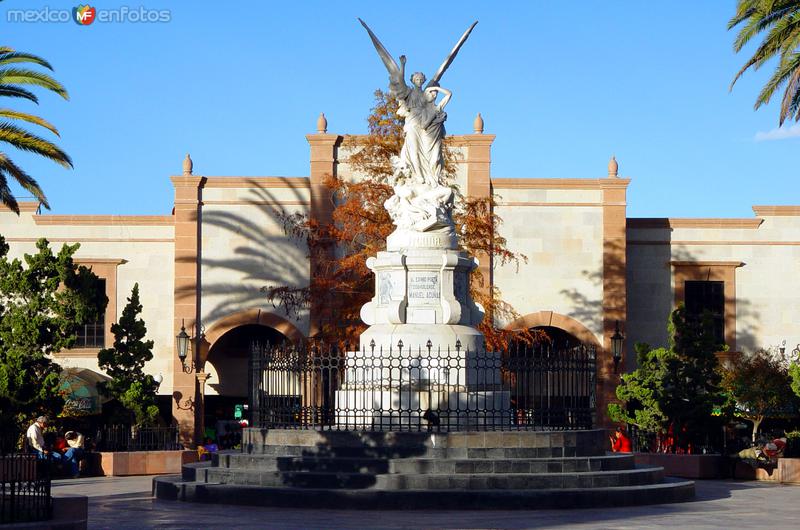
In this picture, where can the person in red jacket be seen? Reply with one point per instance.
(620, 443)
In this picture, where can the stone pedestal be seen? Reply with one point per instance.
(422, 294)
(422, 354)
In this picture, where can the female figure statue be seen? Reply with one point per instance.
(422, 200)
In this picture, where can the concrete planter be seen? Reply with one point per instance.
(685, 466)
(786, 472)
(144, 462)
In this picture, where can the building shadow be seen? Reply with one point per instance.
(244, 249)
(650, 291)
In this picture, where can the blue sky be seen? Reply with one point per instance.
(563, 86)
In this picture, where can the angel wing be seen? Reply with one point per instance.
(449, 60)
(396, 81)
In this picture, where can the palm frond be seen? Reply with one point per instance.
(23, 76)
(27, 182)
(30, 118)
(784, 71)
(25, 141)
(779, 23)
(10, 56)
(782, 34)
(6, 197)
(760, 15)
(15, 71)
(17, 92)
(790, 104)
(780, 39)
(751, 28)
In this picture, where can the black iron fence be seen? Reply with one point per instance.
(120, 438)
(422, 388)
(24, 488)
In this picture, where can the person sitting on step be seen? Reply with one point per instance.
(620, 443)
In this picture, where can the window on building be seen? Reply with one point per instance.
(702, 296)
(93, 334)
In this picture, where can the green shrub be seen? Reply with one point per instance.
(792, 444)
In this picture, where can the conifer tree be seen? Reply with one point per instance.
(125, 361)
(674, 389)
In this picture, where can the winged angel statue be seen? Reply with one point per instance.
(422, 202)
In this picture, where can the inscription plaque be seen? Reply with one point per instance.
(423, 286)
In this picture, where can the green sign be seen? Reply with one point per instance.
(238, 412)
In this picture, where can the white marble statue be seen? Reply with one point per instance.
(422, 201)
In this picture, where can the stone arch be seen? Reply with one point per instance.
(253, 316)
(556, 320)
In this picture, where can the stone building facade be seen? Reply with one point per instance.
(589, 266)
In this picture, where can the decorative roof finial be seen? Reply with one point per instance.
(478, 124)
(188, 165)
(613, 167)
(322, 124)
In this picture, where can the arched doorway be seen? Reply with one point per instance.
(227, 361)
(552, 336)
(561, 326)
(229, 356)
(553, 382)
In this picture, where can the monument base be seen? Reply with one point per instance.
(423, 286)
(421, 408)
(453, 385)
(422, 363)
(415, 337)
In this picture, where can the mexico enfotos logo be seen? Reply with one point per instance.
(86, 15)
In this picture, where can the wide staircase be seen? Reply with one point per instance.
(405, 470)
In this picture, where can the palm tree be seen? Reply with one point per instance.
(780, 19)
(13, 81)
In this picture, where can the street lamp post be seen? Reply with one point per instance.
(617, 342)
(183, 340)
(194, 365)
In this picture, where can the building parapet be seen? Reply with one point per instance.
(777, 211)
(558, 183)
(24, 207)
(686, 222)
(104, 220)
(257, 182)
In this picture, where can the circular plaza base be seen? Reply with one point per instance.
(407, 470)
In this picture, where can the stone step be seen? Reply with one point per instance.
(193, 471)
(512, 481)
(427, 452)
(172, 488)
(431, 444)
(513, 465)
(426, 465)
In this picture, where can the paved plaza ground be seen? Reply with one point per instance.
(125, 503)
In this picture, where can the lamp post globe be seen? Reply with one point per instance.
(617, 341)
(182, 340)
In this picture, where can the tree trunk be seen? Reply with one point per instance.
(756, 424)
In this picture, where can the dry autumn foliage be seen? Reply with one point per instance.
(341, 282)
